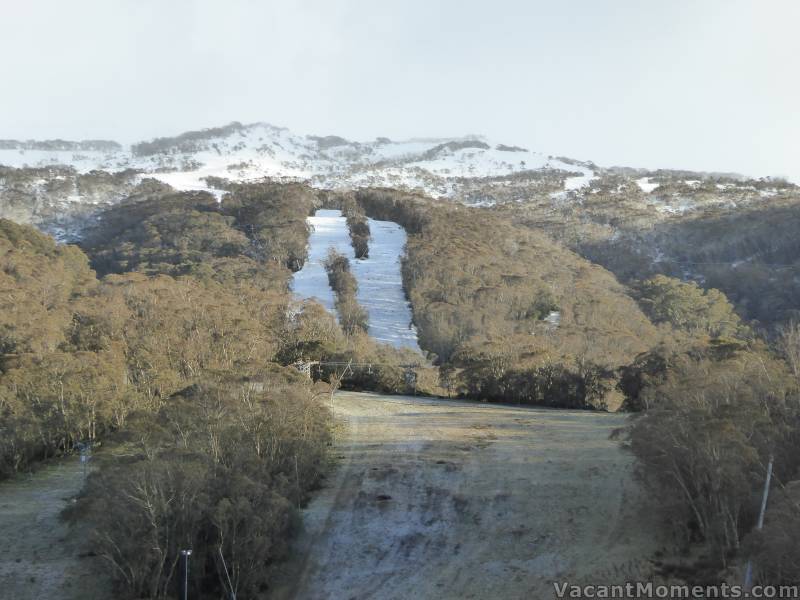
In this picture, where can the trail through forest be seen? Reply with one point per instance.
(439, 499)
(42, 557)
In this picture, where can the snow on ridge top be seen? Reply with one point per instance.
(201, 139)
(243, 152)
(62, 145)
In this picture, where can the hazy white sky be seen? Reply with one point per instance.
(702, 84)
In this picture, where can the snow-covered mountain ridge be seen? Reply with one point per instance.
(436, 166)
(58, 184)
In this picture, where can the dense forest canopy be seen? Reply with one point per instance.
(501, 304)
(729, 233)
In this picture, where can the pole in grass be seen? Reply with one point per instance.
(184, 593)
(85, 451)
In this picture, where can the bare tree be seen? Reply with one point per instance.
(789, 344)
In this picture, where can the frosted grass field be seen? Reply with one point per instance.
(380, 288)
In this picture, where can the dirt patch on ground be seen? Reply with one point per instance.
(41, 557)
(436, 499)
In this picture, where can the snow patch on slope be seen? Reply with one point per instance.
(380, 288)
(645, 185)
(580, 181)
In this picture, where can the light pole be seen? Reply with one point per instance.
(748, 574)
(185, 554)
(85, 449)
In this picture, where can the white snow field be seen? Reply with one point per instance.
(328, 230)
(380, 288)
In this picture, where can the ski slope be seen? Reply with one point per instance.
(380, 288)
(328, 231)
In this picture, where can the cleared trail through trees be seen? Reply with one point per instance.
(380, 287)
(440, 499)
(41, 557)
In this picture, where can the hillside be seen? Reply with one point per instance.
(719, 229)
(471, 168)
(170, 333)
(437, 166)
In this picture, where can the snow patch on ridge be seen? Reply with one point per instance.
(645, 185)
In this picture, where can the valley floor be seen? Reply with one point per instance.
(439, 499)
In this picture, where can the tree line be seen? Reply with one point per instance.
(352, 316)
(481, 290)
